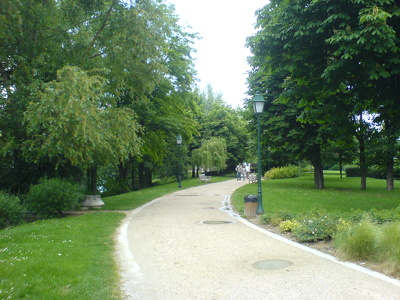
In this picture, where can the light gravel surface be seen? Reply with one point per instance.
(166, 251)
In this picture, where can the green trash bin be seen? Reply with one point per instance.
(250, 206)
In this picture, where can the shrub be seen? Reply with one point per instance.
(115, 186)
(284, 172)
(358, 243)
(275, 218)
(384, 215)
(11, 210)
(342, 225)
(288, 225)
(51, 197)
(352, 171)
(315, 228)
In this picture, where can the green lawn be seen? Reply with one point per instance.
(68, 258)
(340, 195)
(72, 257)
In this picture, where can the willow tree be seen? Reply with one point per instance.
(211, 156)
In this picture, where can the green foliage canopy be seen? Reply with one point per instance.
(72, 118)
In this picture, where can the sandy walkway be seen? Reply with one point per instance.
(167, 251)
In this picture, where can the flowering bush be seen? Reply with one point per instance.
(315, 228)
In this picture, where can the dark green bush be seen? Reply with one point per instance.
(373, 172)
(353, 171)
(11, 210)
(115, 186)
(52, 197)
(384, 215)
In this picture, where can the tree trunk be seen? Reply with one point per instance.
(123, 176)
(391, 153)
(193, 172)
(141, 176)
(363, 164)
(360, 135)
(318, 168)
(340, 165)
(390, 174)
(92, 180)
(148, 175)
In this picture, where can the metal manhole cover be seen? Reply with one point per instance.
(216, 222)
(271, 264)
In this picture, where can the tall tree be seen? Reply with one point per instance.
(335, 55)
(69, 121)
(136, 46)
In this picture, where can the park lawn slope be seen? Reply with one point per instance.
(68, 258)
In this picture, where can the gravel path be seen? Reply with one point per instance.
(168, 250)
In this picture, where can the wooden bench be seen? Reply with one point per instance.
(204, 178)
(253, 177)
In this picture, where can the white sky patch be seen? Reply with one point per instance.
(221, 58)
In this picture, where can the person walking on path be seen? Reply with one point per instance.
(238, 172)
(244, 171)
(189, 245)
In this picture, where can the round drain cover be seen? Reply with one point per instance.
(217, 222)
(271, 264)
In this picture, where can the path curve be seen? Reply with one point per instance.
(166, 251)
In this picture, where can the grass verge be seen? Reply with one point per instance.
(68, 258)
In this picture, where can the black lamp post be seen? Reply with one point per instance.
(258, 106)
(179, 142)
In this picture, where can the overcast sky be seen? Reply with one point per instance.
(221, 53)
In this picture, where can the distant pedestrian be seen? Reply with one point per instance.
(247, 170)
(243, 171)
(238, 172)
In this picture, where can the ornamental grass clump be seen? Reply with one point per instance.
(358, 242)
(388, 247)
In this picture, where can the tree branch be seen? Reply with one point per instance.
(108, 14)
